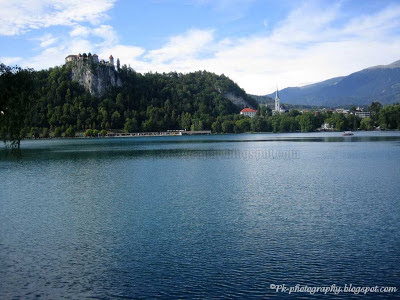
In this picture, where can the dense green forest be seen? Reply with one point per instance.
(150, 102)
(48, 103)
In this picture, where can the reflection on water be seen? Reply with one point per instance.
(200, 146)
(188, 217)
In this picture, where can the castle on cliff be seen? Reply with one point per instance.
(93, 58)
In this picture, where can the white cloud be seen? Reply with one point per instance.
(309, 45)
(126, 54)
(47, 40)
(46, 59)
(376, 24)
(7, 60)
(81, 31)
(190, 44)
(78, 41)
(55, 55)
(17, 17)
(107, 33)
(308, 23)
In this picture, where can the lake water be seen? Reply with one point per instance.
(220, 216)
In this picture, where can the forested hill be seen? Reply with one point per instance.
(142, 102)
(50, 104)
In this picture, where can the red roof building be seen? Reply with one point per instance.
(248, 112)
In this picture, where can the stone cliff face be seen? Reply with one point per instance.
(236, 98)
(95, 77)
(98, 77)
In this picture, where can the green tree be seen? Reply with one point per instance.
(186, 121)
(353, 122)
(274, 122)
(258, 124)
(89, 132)
(120, 101)
(389, 117)
(70, 132)
(367, 124)
(306, 122)
(34, 133)
(216, 127)
(287, 123)
(57, 132)
(227, 126)
(374, 109)
(197, 125)
(116, 119)
(131, 125)
(294, 113)
(243, 125)
(46, 133)
(17, 96)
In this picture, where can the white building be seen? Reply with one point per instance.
(342, 111)
(278, 108)
(248, 112)
(363, 114)
(327, 127)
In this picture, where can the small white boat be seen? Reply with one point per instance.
(347, 133)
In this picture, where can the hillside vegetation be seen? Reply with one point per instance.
(49, 103)
(144, 102)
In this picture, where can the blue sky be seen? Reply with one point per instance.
(260, 44)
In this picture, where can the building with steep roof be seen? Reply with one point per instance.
(278, 107)
(248, 112)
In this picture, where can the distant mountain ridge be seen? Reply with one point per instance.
(378, 83)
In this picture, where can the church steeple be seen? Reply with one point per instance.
(277, 101)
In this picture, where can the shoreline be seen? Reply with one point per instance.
(120, 134)
(170, 134)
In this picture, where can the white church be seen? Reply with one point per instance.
(278, 107)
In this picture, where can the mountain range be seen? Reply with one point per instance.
(379, 83)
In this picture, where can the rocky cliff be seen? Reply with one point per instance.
(95, 77)
(231, 91)
(238, 100)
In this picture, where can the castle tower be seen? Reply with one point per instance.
(277, 102)
(95, 58)
(71, 58)
(111, 60)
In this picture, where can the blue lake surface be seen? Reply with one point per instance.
(220, 216)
